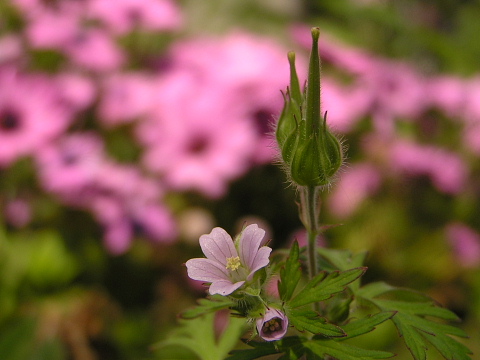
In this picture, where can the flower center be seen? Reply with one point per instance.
(9, 120)
(233, 263)
(272, 325)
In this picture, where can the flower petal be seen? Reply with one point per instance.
(249, 242)
(218, 246)
(206, 270)
(274, 330)
(224, 287)
(261, 260)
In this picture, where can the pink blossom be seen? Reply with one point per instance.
(465, 242)
(192, 139)
(76, 91)
(447, 93)
(71, 164)
(248, 71)
(446, 170)
(30, 114)
(345, 104)
(94, 49)
(229, 264)
(18, 212)
(273, 325)
(125, 97)
(357, 183)
(127, 15)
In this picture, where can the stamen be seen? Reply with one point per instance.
(233, 263)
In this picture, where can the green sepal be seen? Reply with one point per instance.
(325, 285)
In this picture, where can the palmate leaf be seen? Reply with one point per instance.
(205, 306)
(309, 320)
(290, 274)
(342, 351)
(324, 285)
(365, 325)
(414, 321)
(198, 335)
(294, 347)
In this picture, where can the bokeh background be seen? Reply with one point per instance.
(130, 127)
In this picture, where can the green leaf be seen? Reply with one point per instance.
(291, 347)
(342, 259)
(294, 347)
(290, 275)
(324, 285)
(414, 322)
(309, 320)
(214, 303)
(365, 325)
(342, 351)
(198, 335)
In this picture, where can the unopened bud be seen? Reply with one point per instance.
(311, 152)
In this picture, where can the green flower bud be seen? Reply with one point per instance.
(312, 154)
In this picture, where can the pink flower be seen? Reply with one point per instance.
(193, 140)
(127, 15)
(30, 114)
(358, 183)
(94, 49)
(465, 243)
(125, 97)
(447, 170)
(273, 325)
(229, 264)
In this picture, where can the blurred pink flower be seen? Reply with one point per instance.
(248, 71)
(446, 170)
(42, 27)
(12, 48)
(18, 212)
(71, 164)
(128, 15)
(192, 138)
(77, 92)
(273, 325)
(125, 97)
(30, 114)
(94, 49)
(229, 264)
(356, 184)
(447, 93)
(345, 105)
(465, 243)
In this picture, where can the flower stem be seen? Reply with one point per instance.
(311, 212)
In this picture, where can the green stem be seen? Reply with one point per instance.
(310, 207)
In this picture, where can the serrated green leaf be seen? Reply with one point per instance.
(324, 285)
(342, 351)
(309, 320)
(365, 325)
(342, 259)
(206, 306)
(417, 330)
(290, 275)
(291, 347)
(198, 336)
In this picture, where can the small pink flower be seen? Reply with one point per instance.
(465, 243)
(229, 264)
(273, 325)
